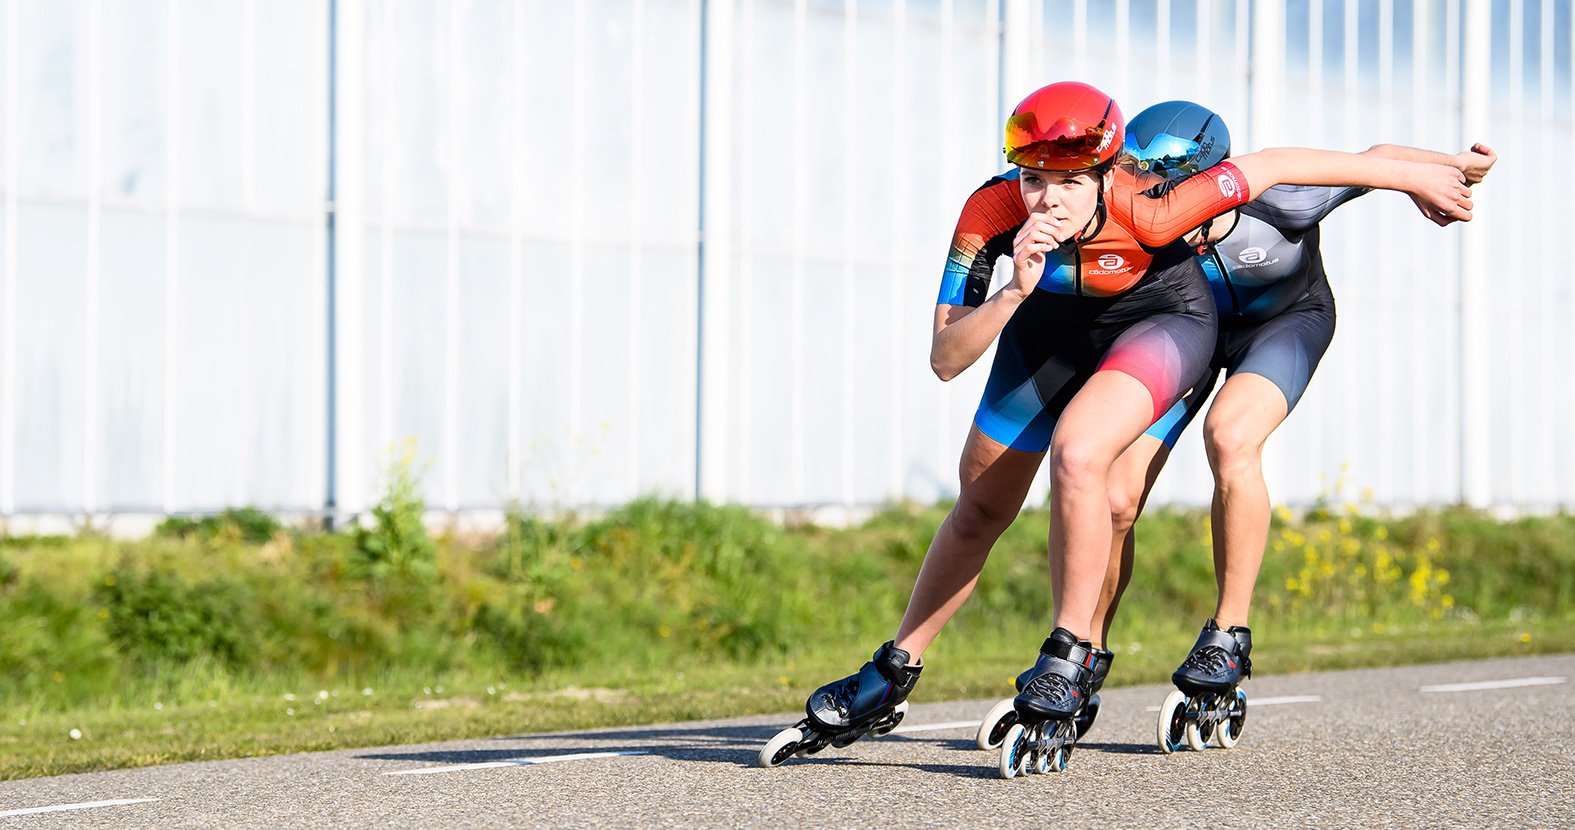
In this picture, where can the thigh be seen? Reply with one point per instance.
(1285, 350)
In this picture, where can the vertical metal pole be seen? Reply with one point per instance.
(95, 209)
(637, 193)
(578, 233)
(1547, 467)
(171, 253)
(715, 254)
(517, 194)
(1512, 300)
(8, 266)
(895, 310)
(1267, 74)
(347, 312)
(801, 93)
(385, 294)
(1162, 81)
(1204, 63)
(330, 263)
(1424, 472)
(455, 118)
(1475, 302)
(850, 96)
(1123, 50)
(1387, 399)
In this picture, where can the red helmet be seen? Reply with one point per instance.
(1065, 126)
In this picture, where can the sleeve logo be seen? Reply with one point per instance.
(1228, 187)
(1253, 255)
(1111, 261)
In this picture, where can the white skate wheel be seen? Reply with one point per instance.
(1013, 749)
(1195, 737)
(1171, 729)
(1229, 730)
(993, 728)
(780, 747)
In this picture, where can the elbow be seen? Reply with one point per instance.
(1380, 150)
(941, 369)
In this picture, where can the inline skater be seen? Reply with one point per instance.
(1102, 328)
(1277, 318)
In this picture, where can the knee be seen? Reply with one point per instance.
(976, 519)
(1077, 465)
(1231, 450)
(1125, 505)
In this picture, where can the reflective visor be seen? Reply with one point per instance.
(1166, 155)
(1065, 144)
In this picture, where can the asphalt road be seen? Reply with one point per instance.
(1375, 748)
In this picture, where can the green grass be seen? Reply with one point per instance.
(192, 643)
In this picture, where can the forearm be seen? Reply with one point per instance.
(963, 334)
(1416, 154)
(1295, 165)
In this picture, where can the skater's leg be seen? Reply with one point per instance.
(1248, 408)
(1111, 410)
(1131, 479)
(995, 480)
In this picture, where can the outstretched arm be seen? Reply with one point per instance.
(1475, 162)
(1440, 192)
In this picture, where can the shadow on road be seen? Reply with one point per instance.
(737, 745)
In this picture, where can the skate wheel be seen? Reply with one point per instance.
(780, 748)
(993, 728)
(1197, 736)
(1229, 731)
(1014, 749)
(890, 722)
(1056, 762)
(1039, 757)
(1172, 726)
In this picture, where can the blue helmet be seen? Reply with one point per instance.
(1175, 140)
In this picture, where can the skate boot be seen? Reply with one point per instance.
(1208, 703)
(1085, 718)
(1003, 714)
(871, 702)
(1056, 692)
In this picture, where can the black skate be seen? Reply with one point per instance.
(871, 702)
(1208, 703)
(1056, 693)
(1002, 715)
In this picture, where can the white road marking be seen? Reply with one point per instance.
(1268, 701)
(515, 762)
(1495, 684)
(87, 805)
(936, 727)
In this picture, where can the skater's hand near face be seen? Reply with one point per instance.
(1441, 193)
(1041, 233)
(1476, 162)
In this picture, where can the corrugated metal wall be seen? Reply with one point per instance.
(584, 251)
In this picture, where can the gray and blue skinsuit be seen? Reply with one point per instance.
(1276, 309)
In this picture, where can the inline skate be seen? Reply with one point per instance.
(871, 702)
(1001, 716)
(1058, 690)
(1208, 703)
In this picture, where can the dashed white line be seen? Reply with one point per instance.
(1495, 684)
(1268, 701)
(936, 727)
(515, 762)
(86, 805)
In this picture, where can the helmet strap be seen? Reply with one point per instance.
(1203, 239)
